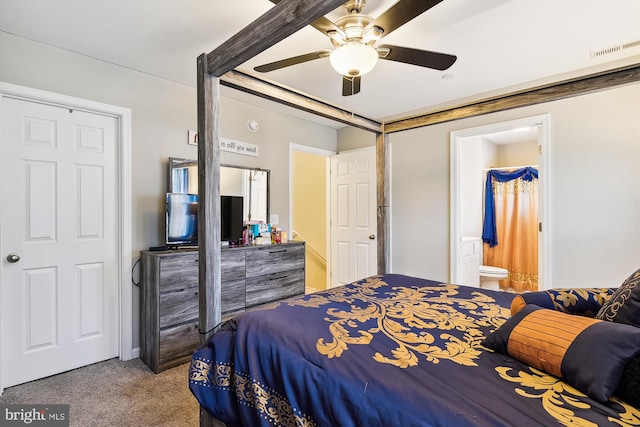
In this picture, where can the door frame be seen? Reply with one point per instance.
(543, 122)
(327, 154)
(123, 216)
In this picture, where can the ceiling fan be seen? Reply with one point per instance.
(354, 37)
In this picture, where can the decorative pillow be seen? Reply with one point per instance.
(580, 301)
(629, 388)
(589, 354)
(624, 304)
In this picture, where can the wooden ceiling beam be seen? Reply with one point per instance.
(547, 93)
(279, 22)
(284, 95)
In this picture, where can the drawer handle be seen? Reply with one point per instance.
(280, 277)
(275, 252)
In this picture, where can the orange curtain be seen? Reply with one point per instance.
(516, 209)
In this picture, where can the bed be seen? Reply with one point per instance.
(388, 350)
(393, 350)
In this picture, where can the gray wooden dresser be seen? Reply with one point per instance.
(251, 275)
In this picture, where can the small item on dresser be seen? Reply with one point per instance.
(273, 235)
(255, 230)
(264, 230)
(283, 236)
(262, 240)
(246, 236)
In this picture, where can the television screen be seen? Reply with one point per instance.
(231, 218)
(182, 219)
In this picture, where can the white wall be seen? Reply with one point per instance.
(472, 161)
(489, 154)
(162, 113)
(594, 177)
(350, 138)
(519, 154)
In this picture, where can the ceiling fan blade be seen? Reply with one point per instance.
(401, 13)
(350, 85)
(421, 58)
(321, 24)
(276, 65)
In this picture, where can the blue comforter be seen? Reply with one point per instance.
(389, 350)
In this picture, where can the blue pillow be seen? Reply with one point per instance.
(624, 304)
(580, 301)
(629, 387)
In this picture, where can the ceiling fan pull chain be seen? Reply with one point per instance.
(353, 86)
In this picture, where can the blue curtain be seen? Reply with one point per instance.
(489, 233)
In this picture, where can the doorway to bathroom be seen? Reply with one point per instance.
(503, 146)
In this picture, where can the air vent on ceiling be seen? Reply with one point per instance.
(612, 49)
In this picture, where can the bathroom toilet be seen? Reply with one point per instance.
(490, 276)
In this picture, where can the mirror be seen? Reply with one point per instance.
(250, 183)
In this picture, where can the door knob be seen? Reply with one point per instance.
(13, 258)
(372, 237)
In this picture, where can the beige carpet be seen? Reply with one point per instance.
(115, 393)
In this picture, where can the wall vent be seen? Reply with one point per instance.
(612, 49)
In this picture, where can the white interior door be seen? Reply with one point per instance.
(258, 193)
(59, 278)
(353, 216)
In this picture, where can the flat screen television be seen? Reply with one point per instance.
(231, 218)
(182, 219)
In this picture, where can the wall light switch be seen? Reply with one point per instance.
(274, 219)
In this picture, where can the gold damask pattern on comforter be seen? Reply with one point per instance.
(387, 350)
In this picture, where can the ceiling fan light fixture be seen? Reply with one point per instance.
(353, 59)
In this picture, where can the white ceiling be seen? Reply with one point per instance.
(500, 44)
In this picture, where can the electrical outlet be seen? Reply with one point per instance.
(274, 219)
(192, 136)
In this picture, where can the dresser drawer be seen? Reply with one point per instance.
(178, 342)
(179, 271)
(232, 296)
(275, 259)
(232, 264)
(178, 307)
(275, 286)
